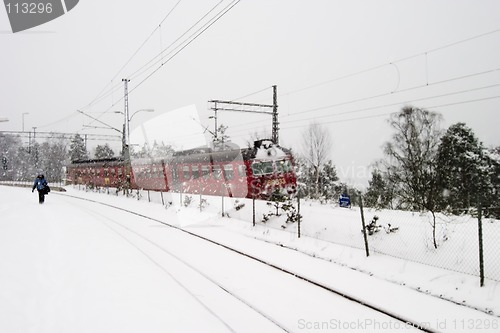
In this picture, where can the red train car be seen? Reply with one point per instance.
(109, 172)
(261, 171)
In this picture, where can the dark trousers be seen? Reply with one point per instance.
(41, 196)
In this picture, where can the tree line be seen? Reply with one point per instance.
(424, 167)
(428, 168)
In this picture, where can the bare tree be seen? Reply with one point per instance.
(411, 167)
(316, 145)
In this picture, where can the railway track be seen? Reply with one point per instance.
(124, 232)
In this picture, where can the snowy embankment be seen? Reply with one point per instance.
(334, 234)
(55, 260)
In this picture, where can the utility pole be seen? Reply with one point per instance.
(215, 120)
(275, 115)
(126, 129)
(126, 139)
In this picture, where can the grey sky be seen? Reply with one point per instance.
(52, 70)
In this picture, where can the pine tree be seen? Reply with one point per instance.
(379, 193)
(459, 162)
(329, 187)
(221, 139)
(104, 151)
(77, 149)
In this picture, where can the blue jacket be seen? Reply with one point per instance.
(40, 183)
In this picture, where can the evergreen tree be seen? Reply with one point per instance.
(329, 187)
(379, 193)
(490, 192)
(77, 149)
(221, 139)
(459, 163)
(104, 151)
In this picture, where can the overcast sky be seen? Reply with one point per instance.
(344, 64)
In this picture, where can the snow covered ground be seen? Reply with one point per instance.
(76, 266)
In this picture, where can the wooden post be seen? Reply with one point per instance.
(363, 224)
(480, 232)
(298, 215)
(222, 200)
(253, 209)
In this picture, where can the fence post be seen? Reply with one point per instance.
(253, 209)
(480, 232)
(223, 188)
(162, 201)
(363, 224)
(298, 215)
(149, 198)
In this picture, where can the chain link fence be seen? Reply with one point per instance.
(468, 243)
(446, 241)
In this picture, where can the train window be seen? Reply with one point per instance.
(284, 166)
(217, 172)
(186, 174)
(196, 171)
(175, 174)
(256, 169)
(205, 171)
(267, 168)
(156, 172)
(228, 171)
(242, 170)
(262, 168)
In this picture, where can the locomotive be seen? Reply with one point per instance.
(259, 172)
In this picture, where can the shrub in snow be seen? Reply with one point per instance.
(187, 200)
(203, 203)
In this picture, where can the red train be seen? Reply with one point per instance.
(261, 171)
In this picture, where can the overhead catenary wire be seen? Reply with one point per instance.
(323, 122)
(180, 47)
(135, 53)
(193, 38)
(153, 61)
(364, 99)
(425, 53)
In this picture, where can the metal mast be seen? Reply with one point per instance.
(275, 115)
(126, 127)
(220, 105)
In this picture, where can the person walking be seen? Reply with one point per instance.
(42, 187)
